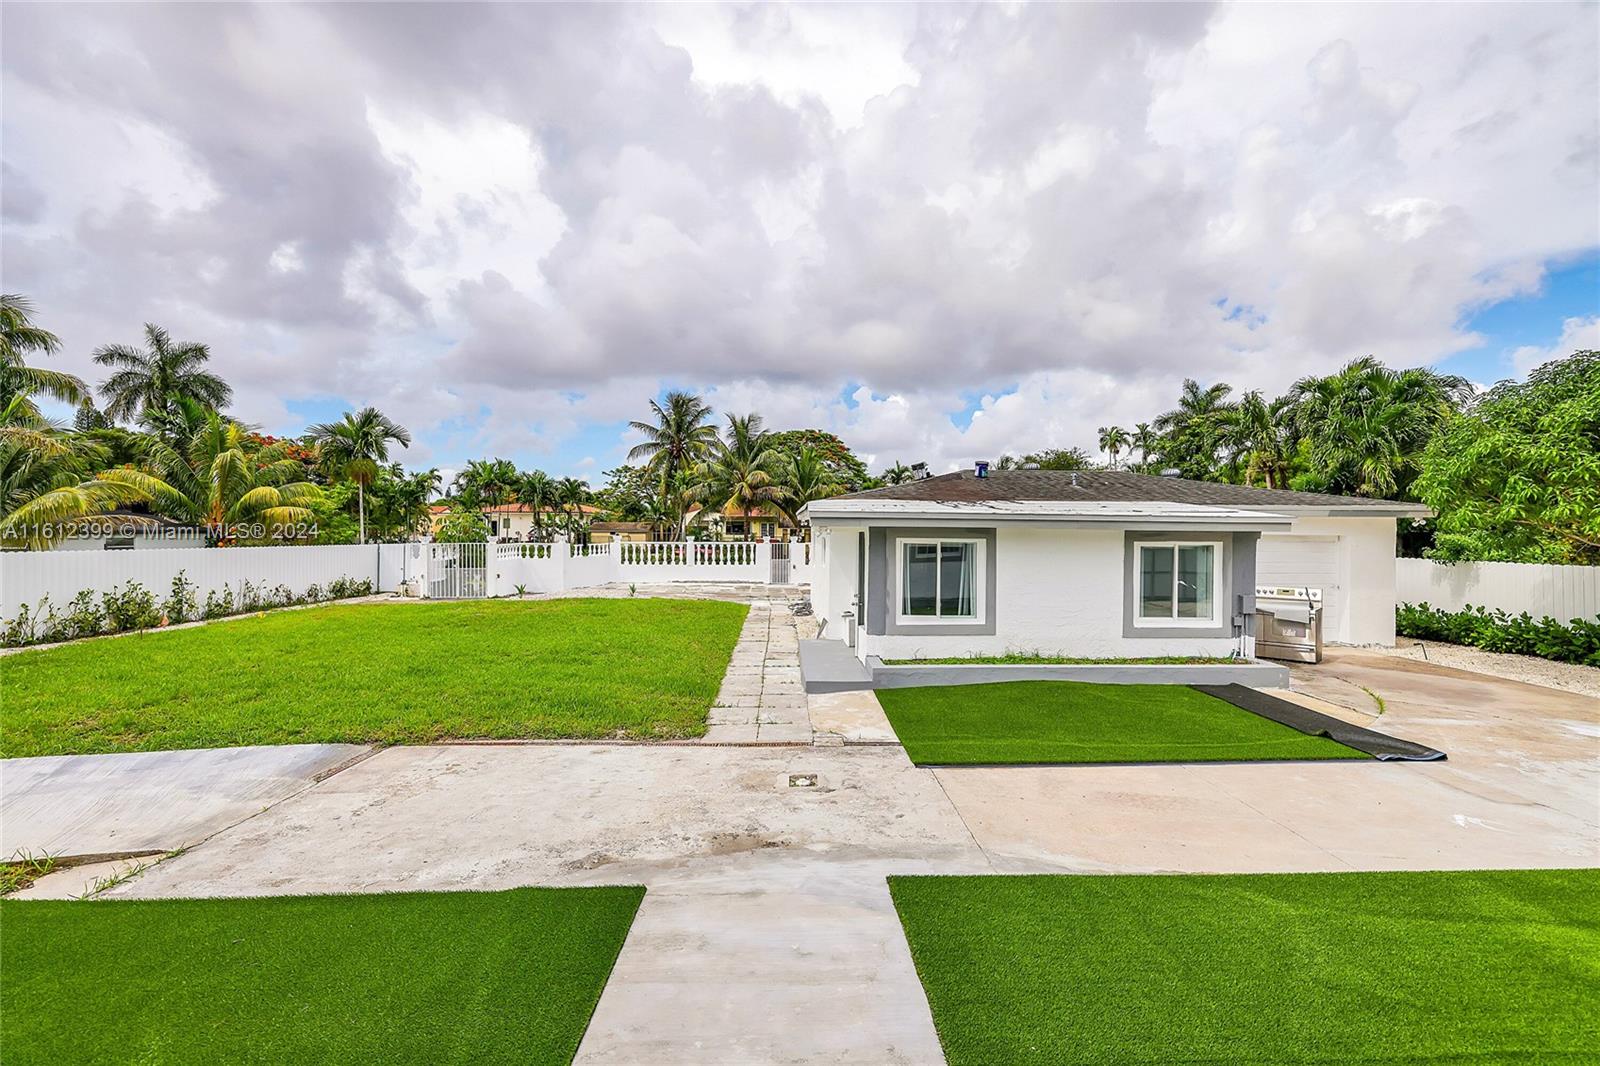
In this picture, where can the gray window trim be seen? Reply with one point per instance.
(881, 582)
(1237, 570)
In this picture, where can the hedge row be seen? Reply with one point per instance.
(1576, 642)
(135, 607)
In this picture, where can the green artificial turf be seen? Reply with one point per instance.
(1075, 722)
(461, 977)
(1460, 967)
(404, 673)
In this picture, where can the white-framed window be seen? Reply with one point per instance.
(939, 580)
(1177, 583)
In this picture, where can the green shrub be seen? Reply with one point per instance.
(131, 607)
(84, 618)
(1577, 642)
(181, 605)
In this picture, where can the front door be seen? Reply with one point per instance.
(860, 606)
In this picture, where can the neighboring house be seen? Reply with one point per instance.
(606, 532)
(127, 530)
(756, 523)
(1091, 563)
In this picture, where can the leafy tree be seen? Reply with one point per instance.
(1517, 477)
(354, 446)
(215, 481)
(462, 523)
(151, 378)
(844, 467)
(630, 494)
(1059, 459)
(680, 437)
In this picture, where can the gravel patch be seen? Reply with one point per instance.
(1569, 677)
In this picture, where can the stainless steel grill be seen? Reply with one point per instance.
(1289, 624)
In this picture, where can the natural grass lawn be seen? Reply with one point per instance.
(1076, 722)
(400, 673)
(1464, 967)
(416, 977)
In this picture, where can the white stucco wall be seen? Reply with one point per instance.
(1361, 605)
(1057, 592)
(833, 577)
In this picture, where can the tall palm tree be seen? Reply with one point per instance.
(20, 418)
(738, 475)
(485, 483)
(805, 478)
(150, 379)
(680, 436)
(355, 446)
(537, 491)
(1253, 437)
(1112, 440)
(216, 481)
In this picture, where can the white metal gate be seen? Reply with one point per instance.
(458, 571)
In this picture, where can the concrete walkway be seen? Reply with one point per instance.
(86, 805)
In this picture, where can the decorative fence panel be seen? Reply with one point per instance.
(28, 577)
(711, 560)
(1561, 592)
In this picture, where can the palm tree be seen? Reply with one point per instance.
(43, 491)
(1145, 439)
(1366, 425)
(215, 481)
(572, 494)
(898, 474)
(806, 478)
(20, 418)
(485, 483)
(355, 446)
(679, 437)
(1112, 440)
(537, 491)
(738, 476)
(1193, 430)
(148, 380)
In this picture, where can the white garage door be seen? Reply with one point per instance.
(1301, 562)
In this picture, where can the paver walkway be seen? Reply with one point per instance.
(763, 699)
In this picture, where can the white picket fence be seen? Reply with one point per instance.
(1561, 592)
(29, 577)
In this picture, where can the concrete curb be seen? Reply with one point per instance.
(1253, 675)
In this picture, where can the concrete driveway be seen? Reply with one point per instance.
(1521, 788)
(768, 934)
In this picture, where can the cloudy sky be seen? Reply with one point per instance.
(942, 232)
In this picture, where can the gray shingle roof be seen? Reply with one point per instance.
(1114, 485)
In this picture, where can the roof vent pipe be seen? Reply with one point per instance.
(1074, 479)
(981, 468)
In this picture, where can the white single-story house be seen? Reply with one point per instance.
(1095, 563)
